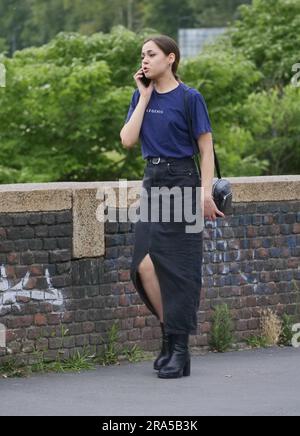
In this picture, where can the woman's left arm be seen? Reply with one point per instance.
(205, 144)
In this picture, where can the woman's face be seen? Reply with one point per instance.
(154, 61)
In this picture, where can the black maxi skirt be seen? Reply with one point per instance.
(176, 252)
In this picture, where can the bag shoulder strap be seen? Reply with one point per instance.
(189, 122)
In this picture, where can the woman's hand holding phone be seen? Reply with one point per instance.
(145, 91)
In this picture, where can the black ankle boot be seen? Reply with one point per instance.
(180, 362)
(166, 349)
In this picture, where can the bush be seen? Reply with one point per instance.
(273, 330)
(286, 331)
(221, 338)
(270, 326)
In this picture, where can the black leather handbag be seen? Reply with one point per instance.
(221, 189)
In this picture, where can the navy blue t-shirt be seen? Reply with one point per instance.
(164, 130)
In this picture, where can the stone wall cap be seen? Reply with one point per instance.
(133, 183)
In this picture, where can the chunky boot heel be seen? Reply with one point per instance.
(187, 369)
(180, 361)
(166, 349)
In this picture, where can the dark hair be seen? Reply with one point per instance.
(167, 45)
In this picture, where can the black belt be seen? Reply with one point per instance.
(157, 160)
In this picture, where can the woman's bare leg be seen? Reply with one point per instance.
(151, 284)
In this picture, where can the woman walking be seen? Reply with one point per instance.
(167, 260)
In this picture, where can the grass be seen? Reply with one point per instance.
(12, 370)
(79, 361)
(111, 353)
(257, 341)
(273, 330)
(270, 326)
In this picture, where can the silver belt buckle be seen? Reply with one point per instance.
(155, 161)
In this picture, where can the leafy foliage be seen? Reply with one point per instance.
(221, 336)
(62, 108)
(268, 34)
(66, 102)
(35, 22)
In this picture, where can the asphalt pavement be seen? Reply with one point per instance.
(240, 383)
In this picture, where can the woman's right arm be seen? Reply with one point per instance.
(131, 130)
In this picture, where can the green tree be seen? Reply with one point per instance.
(275, 133)
(215, 13)
(62, 108)
(13, 16)
(65, 104)
(168, 15)
(35, 22)
(268, 34)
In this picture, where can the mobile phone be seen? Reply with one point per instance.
(145, 80)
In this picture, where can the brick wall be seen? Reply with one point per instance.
(251, 261)
(51, 299)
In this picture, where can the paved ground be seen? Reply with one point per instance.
(251, 382)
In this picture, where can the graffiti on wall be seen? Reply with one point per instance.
(11, 295)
